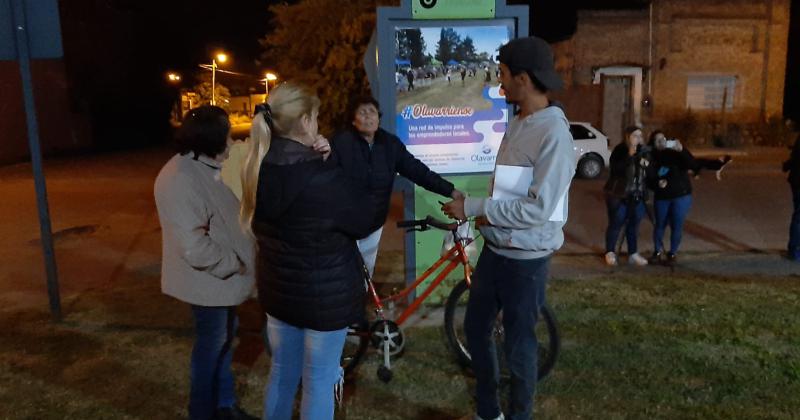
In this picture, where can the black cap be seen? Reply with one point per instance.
(532, 54)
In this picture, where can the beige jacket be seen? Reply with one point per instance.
(204, 246)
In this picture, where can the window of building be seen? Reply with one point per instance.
(709, 92)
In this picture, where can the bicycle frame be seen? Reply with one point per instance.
(454, 256)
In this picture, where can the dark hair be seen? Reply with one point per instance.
(628, 131)
(652, 139)
(204, 132)
(363, 100)
(536, 83)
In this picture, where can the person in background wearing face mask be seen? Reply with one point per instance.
(207, 259)
(626, 193)
(371, 157)
(306, 217)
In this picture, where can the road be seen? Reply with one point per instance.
(107, 230)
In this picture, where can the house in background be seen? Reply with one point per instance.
(650, 65)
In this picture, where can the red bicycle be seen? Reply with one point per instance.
(386, 335)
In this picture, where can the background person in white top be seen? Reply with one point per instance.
(521, 234)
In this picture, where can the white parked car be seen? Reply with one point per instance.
(591, 149)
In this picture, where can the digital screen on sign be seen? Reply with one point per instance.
(449, 110)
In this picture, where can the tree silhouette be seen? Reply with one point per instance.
(465, 51)
(446, 47)
(417, 47)
(321, 44)
(222, 95)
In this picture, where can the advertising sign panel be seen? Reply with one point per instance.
(449, 109)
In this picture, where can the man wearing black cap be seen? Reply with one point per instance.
(520, 233)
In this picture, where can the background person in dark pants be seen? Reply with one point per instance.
(410, 78)
(626, 193)
(207, 259)
(793, 167)
(520, 234)
(672, 188)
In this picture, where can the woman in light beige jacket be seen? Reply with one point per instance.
(207, 258)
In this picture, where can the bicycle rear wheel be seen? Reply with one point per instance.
(546, 332)
(355, 345)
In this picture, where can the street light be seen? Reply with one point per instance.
(221, 57)
(268, 78)
(174, 77)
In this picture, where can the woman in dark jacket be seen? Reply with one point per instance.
(306, 219)
(371, 157)
(672, 189)
(793, 167)
(626, 193)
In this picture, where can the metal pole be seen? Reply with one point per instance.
(213, 80)
(266, 83)
(45, 229)
(650, 55)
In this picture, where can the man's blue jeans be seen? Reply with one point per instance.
(794, 227)
(517, 287)
(311, 355)
(622, 213)
(211, 377)
(670, 212)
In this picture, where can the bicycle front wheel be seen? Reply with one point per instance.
(546, 332)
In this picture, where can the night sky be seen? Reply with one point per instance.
(118, 51)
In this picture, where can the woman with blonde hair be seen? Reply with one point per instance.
(306, 218)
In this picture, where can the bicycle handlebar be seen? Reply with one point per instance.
(423, 224)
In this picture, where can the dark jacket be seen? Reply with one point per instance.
(306, 221)
(627, 177)
(673, 167)
(374, 168)
(793, 166)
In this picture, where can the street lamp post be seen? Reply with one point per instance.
(177, 109)
(221, 58)
(268, 78)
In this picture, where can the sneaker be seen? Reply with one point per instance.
(477, 417)
(725, 161)
(656, 258)
(611, 258)
(637, 259)
(233, 413)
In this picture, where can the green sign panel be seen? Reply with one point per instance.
(452, 9)
(428, 245)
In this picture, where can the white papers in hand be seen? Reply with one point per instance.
(513, 182)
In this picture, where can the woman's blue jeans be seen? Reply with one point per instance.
(212, 383)
(300, 353)
(670, 212)
(623, 213)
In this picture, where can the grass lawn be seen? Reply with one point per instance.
(633, 347)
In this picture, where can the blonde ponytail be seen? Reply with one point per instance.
(287, 104)
(260, 138)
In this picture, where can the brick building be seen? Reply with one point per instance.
(650, 65)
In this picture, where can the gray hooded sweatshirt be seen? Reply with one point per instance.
(527, 227)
